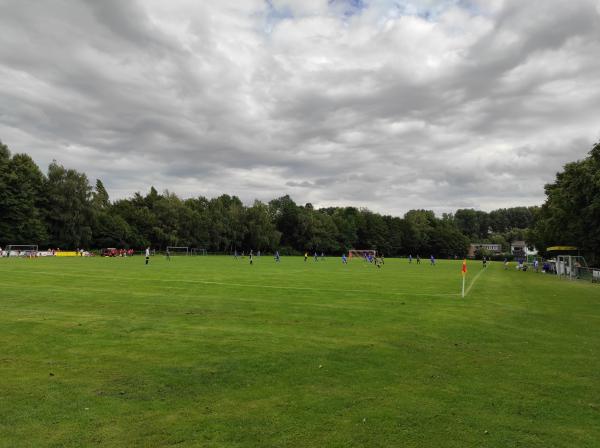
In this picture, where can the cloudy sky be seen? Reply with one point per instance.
(387, 104)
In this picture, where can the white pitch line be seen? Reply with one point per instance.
(473, 282)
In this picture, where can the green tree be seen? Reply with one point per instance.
(447, 241)
(373, 232)
(138, 217)
(5, 197)
(68, 207)
(100, 198)
(345, 221)
(286, 214)
(111, 230)
(571, 213)
(419, 225)
(262, 233)
(200, 223)
(473, 223)
(21, 199)
(228, 227)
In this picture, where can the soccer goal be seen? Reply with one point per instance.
(22, 250)
(178, 250)
(196, 251)
(361, 253)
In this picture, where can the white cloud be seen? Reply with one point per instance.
(390, 105)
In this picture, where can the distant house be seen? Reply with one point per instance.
(491, 247)
(521, 249)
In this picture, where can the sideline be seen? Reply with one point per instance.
(473, 281)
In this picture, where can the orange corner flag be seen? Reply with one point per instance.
(464, 266)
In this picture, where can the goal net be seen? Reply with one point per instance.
(361, 253)
(178, 250)
(21, 250)
(196, 251)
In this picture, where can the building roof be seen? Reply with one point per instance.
(486, 244)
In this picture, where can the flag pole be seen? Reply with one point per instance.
(463, 286)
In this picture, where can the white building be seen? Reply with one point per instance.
(491, 247)
(521, 249)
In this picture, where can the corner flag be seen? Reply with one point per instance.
(464, 274)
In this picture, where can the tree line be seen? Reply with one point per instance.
(61, 209)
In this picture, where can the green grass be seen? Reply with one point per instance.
(212, 352)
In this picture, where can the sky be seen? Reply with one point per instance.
(389, 105)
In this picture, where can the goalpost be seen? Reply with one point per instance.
(361, 253)
(197, 251)
(178, 250)
(22, 250)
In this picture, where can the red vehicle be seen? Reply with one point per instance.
(114, 252)
(110, 252)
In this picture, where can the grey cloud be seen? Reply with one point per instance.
(303, 184)
(387, 112)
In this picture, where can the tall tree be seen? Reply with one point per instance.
(287, 219)
(200, 223)
(345, 220)
(21, 199)
(418, 230)
(571, 213)
(69, 208)
(472, 223)
(261, 231)
(100, 198)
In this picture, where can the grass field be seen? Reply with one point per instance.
(213, 352)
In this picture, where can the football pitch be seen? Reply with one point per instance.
(214, 352)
